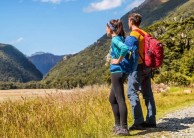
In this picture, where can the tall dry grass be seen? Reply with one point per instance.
(80, 114)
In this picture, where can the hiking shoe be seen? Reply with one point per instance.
(137, 127)
(147, 125)
(122, 131)
(115, 129)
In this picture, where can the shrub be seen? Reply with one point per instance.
(172, 78)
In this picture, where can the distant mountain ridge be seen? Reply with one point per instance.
(88, 66)
(37, 53)
(46, 61)
(15, 67)
(153, 10)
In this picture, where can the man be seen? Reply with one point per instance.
(140, 80)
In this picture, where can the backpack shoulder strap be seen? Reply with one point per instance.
(139, 31)
(142, 34)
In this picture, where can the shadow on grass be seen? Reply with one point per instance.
(170, 125)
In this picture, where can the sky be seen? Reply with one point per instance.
(59, 27)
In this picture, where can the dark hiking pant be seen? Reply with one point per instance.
(117, 99)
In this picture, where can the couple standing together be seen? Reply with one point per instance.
(125, 64)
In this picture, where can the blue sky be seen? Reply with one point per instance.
(57, 26)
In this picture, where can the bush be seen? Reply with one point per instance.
(172, 78)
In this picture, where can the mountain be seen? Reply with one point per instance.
(15, 67)
(88, 66)
(176, 31)
(153, 10)
(46, 61)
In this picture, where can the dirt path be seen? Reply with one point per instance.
(179, 124)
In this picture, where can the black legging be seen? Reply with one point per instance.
(117, 99)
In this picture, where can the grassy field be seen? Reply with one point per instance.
(29, 93)
(77, 114)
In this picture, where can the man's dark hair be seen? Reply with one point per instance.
(135, 18)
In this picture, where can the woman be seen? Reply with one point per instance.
(118, 52)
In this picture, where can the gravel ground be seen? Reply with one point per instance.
(179, 124)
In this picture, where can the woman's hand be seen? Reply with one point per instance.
(115, 61)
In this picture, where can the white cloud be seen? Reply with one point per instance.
(103, 5)
(134, 4)
(20, 39)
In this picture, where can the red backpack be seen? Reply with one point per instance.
(153, 51)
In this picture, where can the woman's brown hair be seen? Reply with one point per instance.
(117, 27)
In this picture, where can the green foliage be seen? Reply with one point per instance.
(17, 85)
(85, 68)
(172, 78)
(175, 30)
(187, 63)
(15, 67)
(182, 12)
(88, 66)
(155, 10)
(178, 40)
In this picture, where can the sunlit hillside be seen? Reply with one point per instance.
(88, 66)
